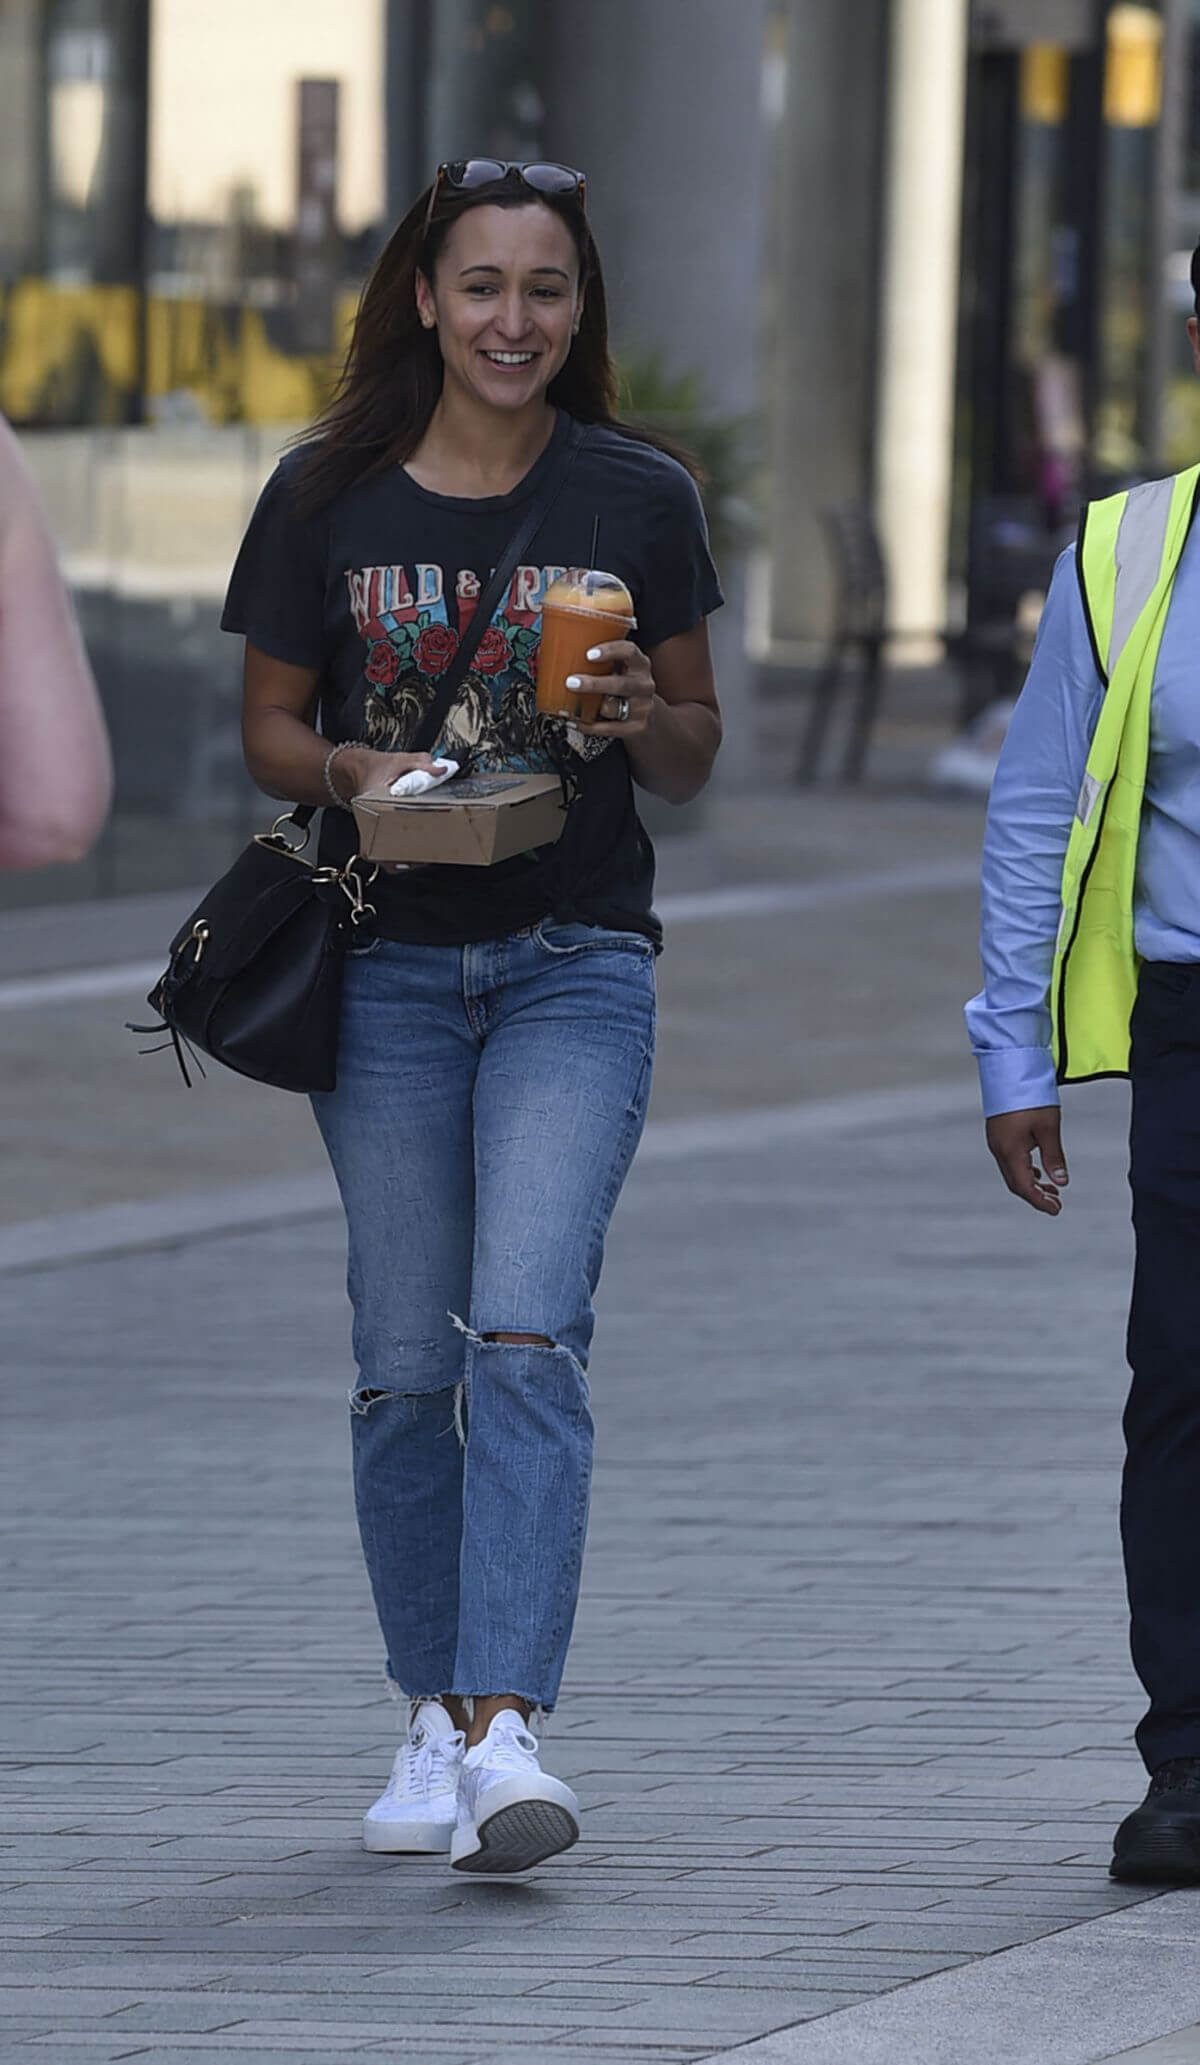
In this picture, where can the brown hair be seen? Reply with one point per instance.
(392, 377)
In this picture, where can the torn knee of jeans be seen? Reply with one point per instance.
(365, 1399)
(505, 1337)
(362, 1401)
(514, 1338)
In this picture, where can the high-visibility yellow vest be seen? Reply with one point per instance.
(1129, 550)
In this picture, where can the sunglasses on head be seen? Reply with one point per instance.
(467, 174)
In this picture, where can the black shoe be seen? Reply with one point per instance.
(1159, 1843)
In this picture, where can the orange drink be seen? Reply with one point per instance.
(579, 611)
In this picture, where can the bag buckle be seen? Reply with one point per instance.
(352, 885)
(275, 837)
(196, 941)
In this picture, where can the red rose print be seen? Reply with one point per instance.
(492, 654)
(383, 663)
(435, 648)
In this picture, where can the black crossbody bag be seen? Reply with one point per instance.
(254, 975)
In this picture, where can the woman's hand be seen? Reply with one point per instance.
(287, 757)
(634, 679)
(1014, 1137)
(358, 768)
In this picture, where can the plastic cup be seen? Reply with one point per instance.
(579, 611)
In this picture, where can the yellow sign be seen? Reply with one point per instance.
(1133, 68)
(1045, 82)
(71, 355)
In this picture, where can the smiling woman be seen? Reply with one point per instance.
(497, 1028)
(507, 306)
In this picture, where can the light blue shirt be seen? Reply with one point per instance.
(1029, 820)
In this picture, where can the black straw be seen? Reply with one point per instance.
(595, 540)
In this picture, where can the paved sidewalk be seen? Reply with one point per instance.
(759, 1006)
(849, 1705)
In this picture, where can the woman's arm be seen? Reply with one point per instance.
(55, 764)
(674, 725)
(285, 755)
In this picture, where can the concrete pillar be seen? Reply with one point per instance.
(22, 118)
(463, 80)
(922, 224)
(660, 103)
(1165, 322)
(823, 297)
(408, 37)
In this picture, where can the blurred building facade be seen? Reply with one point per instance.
(926, 256)
(992, 301)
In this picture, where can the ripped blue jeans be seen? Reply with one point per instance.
(488, 1104)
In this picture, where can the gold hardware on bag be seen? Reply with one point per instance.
(348, 878)
(352, 885)
(197, 939)
(278, 839)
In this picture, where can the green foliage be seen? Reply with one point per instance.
(675, 404)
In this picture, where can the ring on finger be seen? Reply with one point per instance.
(621, 714)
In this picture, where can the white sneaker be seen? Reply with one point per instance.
(418, 1808)
(511, 1814)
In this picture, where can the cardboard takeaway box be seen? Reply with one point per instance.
(471, 821)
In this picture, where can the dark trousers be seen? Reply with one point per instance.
(1160, 1502)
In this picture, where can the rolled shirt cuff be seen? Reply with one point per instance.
(1016, 1079)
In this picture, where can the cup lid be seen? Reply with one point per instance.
(592, 587)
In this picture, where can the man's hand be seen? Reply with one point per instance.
(1014, 1138)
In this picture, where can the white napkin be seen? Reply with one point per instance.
(419, 779)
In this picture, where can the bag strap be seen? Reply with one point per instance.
(426, 735)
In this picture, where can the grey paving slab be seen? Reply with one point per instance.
(1180, 2048)
(632, 2053)
(92, 2045)
(849, 1705)
(98, 2050)
(1072, 1999)
(203, 2016)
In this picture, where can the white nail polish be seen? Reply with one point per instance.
(595, 653)
(573, 681)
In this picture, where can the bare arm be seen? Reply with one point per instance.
(55, 764)
(674, 726)
(284, 752)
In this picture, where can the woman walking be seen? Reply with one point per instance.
(497, 1032)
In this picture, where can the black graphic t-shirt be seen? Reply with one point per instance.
(375, 591)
